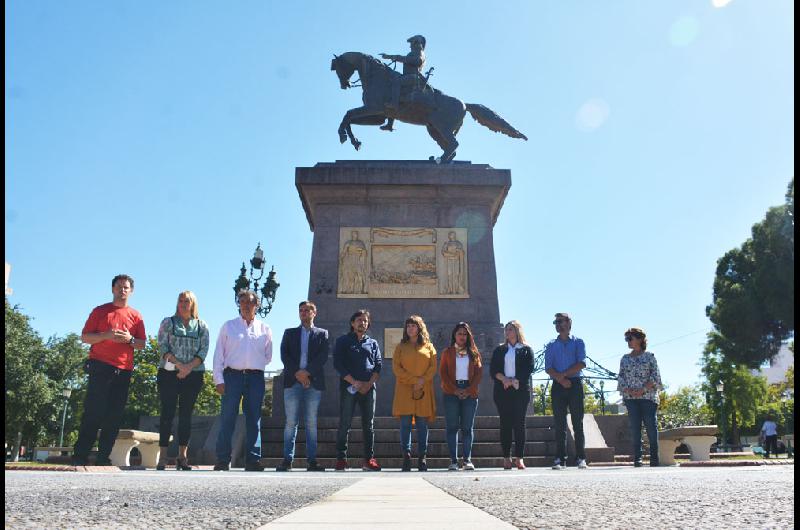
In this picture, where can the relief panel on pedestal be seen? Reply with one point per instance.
(388, 262)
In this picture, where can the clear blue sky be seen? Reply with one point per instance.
(159, 139)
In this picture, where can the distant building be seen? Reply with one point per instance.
(9, 291)
(775, 372)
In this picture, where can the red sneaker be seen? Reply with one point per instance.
(341, 464)
(371, 465)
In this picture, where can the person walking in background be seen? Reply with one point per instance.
(244, 349)
(460, 371)
(564, 358)
(357, 359)
(183, 345)
(114, 330)
(414, 365)
(511, 367)
(304, 352)
(639, 382)
(769, 431)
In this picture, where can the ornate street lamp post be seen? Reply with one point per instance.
(66, 393)
(721, 390)
(267, 293)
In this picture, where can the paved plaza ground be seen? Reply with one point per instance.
(607, 497)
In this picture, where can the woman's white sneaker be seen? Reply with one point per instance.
(582, 464)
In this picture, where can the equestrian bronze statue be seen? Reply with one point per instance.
(408, 97)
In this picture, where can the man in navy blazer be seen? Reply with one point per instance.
(304, 352)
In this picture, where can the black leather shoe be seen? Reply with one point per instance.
(222, 466)
(422, 465)
(161, 467)
(103, 462)
(254, 466)
(286, 465)
(637, 463)
(76, 461)
(182, 465)
(313, 466)
(406, 462)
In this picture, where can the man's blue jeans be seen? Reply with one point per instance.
(459, 415)
(643, 410)
(297, 399)
(247, 388)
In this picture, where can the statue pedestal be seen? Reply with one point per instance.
(401, 238)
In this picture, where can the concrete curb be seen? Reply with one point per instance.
(706, 463)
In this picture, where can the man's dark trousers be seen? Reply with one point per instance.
(568, 399)
(106, 397)
(347, 405)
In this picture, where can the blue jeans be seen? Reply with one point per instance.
(643, 410)
(295, 399)
(249, 390)
(422, 434)
(459, 415)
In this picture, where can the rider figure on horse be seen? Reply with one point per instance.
(412, 74)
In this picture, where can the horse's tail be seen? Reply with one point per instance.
(488, 118)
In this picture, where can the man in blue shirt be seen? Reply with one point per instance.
(564, 358)
(357, 358)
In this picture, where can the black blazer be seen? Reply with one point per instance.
(524, 365)
(318, 348)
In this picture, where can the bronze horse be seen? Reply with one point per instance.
(441, 114)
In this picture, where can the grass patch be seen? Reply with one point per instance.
(32, 464)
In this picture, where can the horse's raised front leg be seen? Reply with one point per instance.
(359, 116)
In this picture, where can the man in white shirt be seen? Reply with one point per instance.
(769, 431)
(244, 349)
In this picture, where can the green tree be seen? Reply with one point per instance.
(744, 393)
(753, 299)
(64, 369)
(28, 392)
(143, 393)
(687, 406)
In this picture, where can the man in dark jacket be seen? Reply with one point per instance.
(304, 352)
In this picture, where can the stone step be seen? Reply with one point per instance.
(392, 449)
(390, 422)
(533, 434)
(395, 463)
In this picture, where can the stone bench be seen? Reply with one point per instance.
(697, 438)
(145, 442)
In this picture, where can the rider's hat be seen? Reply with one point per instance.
(417, 37)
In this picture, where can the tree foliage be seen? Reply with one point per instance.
(28, 391)
(744, 394)
(687, 406)
(753, 299)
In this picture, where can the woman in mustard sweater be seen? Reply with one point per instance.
(414, 365)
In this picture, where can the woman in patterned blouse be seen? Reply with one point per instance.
(639, 382)
(183, 344)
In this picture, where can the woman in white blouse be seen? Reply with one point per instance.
(510, 368)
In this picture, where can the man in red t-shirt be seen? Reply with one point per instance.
(114, 330)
